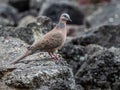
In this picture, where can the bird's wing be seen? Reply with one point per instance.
(51, 40)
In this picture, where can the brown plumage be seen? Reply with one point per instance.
(51, 41)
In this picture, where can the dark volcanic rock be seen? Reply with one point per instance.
(101, 71)
(90, 50)
(9, 12)
(21, 5)
(107, 36)
(73, 52)
(116, 86)
(53, 10)
(6, 31)
(23, 33)
(74, 55)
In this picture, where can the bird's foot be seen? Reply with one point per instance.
(57, 57)
(51, 55)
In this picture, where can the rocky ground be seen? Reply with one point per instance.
(90, 58)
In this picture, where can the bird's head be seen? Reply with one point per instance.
(65, 17)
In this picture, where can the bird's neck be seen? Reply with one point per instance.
(61, 24)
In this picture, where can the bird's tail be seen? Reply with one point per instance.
(27, 53)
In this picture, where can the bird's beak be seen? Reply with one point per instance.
(69, 19)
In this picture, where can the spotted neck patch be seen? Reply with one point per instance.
(61, 25)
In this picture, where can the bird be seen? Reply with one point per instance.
(51, 41)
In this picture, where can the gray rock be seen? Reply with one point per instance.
(42, 73)
(116, 86)
(6, 31)
(25, 34)
(9, 48)
(6, 22)
(10, 13)
(90, 50)
(101, 71)
(73, 52)
(74, 55)
(26, 20)
(93, 48)
(106, 14)
(106, 35)
(36, 72)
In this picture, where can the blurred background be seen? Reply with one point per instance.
(84, 13)
(88, 12)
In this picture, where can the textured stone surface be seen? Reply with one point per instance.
(101, 70)
(74, 55)
(106, 35)
(44, 72)
(35, 71)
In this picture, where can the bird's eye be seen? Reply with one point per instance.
(65, 16)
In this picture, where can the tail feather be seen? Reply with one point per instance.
(27, 53)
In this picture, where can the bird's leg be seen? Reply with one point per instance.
(56, 56)
(51, 55)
